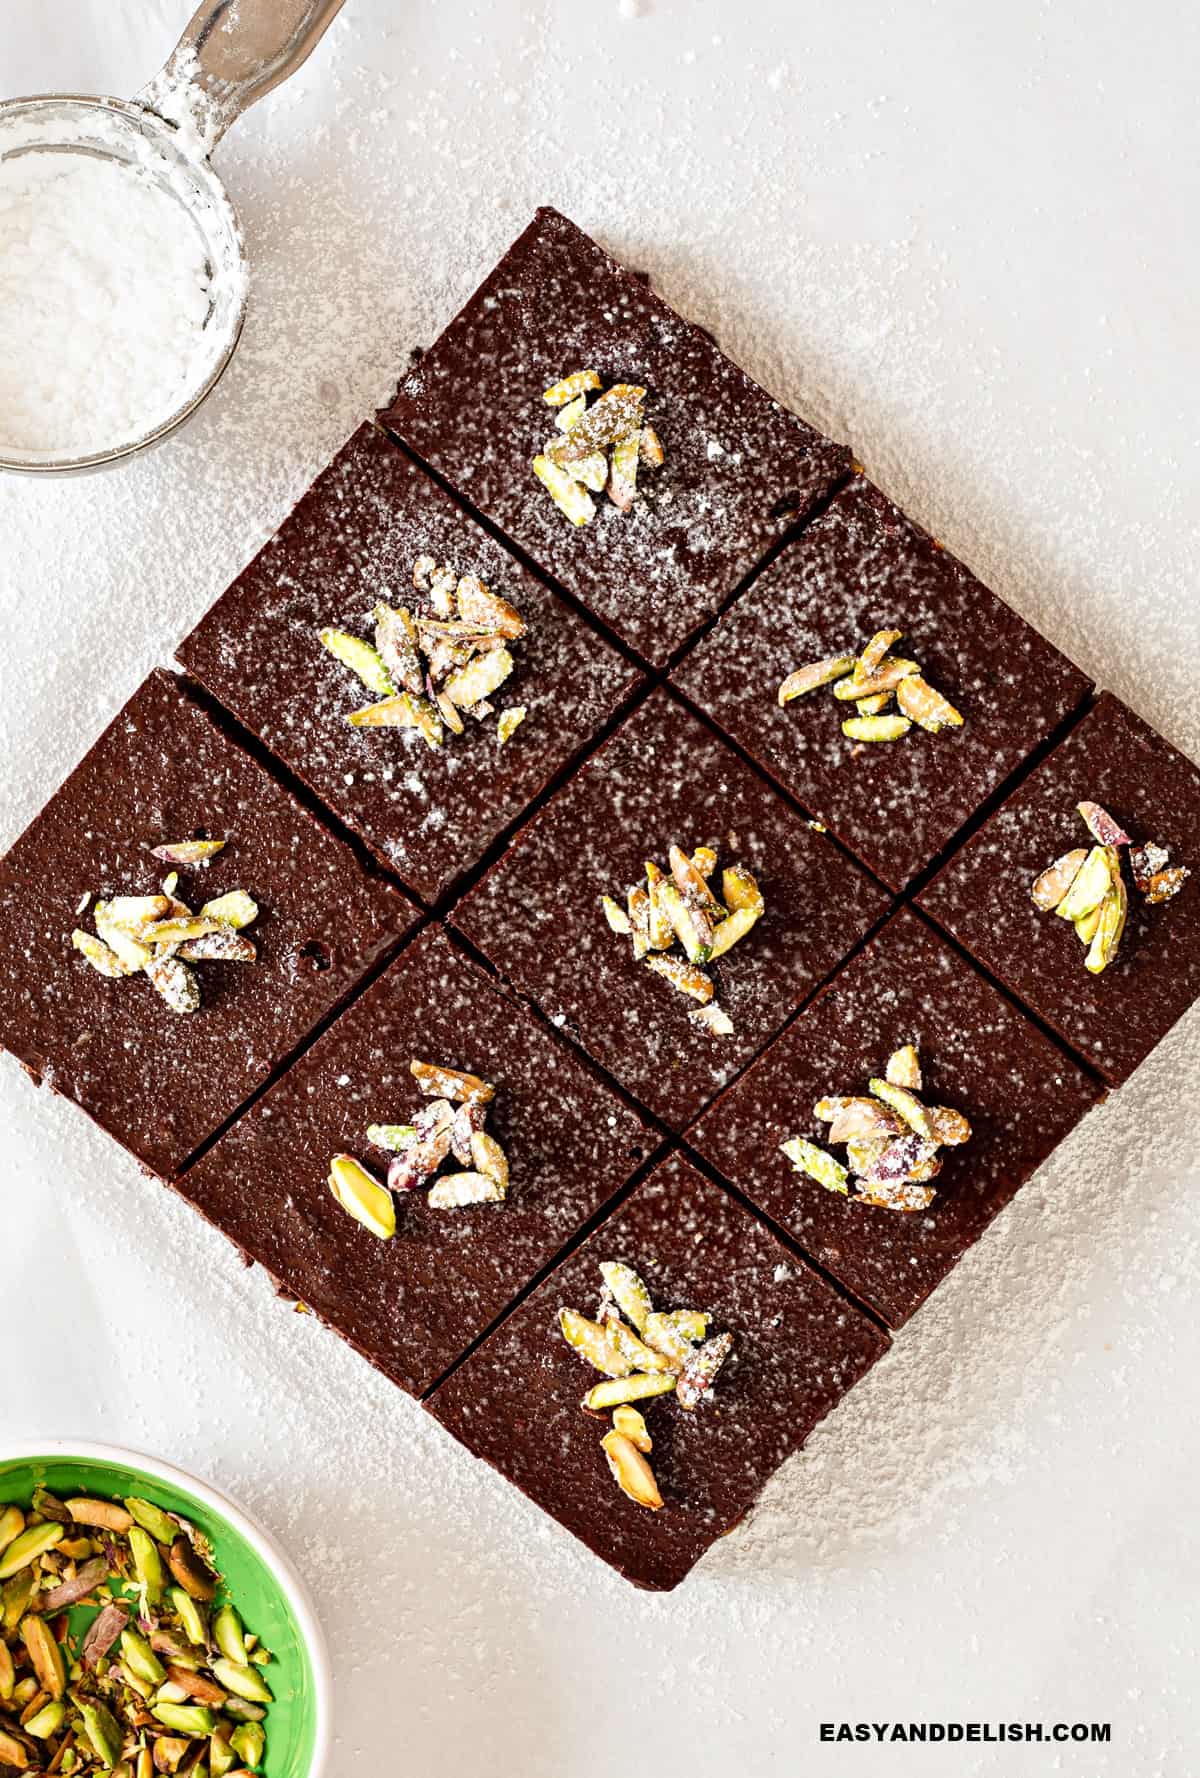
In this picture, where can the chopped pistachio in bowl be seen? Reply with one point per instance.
(272, 1631)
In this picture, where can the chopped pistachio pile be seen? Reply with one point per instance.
(1088, 887)
(642, 1354)
(870, 681)
(438, 661)
(891, 1139)
(598, 448)
(159, 936)
(683, 909)
(115, 1656)
(451, 1126)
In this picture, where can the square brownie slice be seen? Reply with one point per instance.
(162, 1081)
(978, 1055)
(1115, 1018)
(738, 468)
(665, 778)
(797, 1348)
(429, 813)
(414, 1303)
(861, 568)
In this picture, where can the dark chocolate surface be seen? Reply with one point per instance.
(412, 1305)
(663, 778)
(739, 468)
(979, 1055)
(798, 1348)
(864, 567)
(982, 895)
(157, 1080)
(429, 814)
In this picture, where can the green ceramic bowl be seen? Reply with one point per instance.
(269, 1595)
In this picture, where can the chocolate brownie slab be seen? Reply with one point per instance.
(1114, 1018)
(978, 1055)
(413, 1303)
(797, 1348)
(860, 569)
(428, 812)
(158, 1079)
(664, 778)
(737, 469)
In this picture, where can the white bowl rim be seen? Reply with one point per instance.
(87, 1450)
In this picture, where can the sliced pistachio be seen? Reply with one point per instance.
(904, 1103)
(818, 673)
(651, 448)
(639, 905)
(739, 888)
(13, 1753)
(134, 913)
(640, 1355)
(632, 1425)
(45, 1655)
(632, 1388)
(100, 956)
(187, 851)
(478, 680)
(1049, 889)
(570, 496)
(229, 1634)
(191, 1616)
(701, 1369)
(190, 1571)
(927, 707)
(714, 1019)
(632, 1474)
(1085, 926)
(1100, 824)
(876, 651)
(7, 1673)
(904, 1067)
(249, 1743)
(361, 658)
(362, 1197)
(1090, 886)
(895, 1194)
(594, 1341)
(489, 1158)
(1113, 910)
(571, 414)
(218, 947)
(1148, 861)
(863, 1152)
(569, 388)
(147, 1564)
(477, 604)
(859, 1118)
(628, 1292)
(45, 1722)
(1166, 883)
(436, 1081)
(659, 929)
(616, 414)
(687, 977)
(101, 1728)
(949, 1128)
(693, 883)
(25, 1548)
(876, 728)
(396, 645)
(12, 1523)
(616, 916)
(132, 952)
(874, 705)
(449, 713)
(168, 935)
(666, 1337)
(186, 1719)
(904, 1157)
(689, 921)
(622, 471)
(243, 1682)
(174, 982)
(730, 931)
(141, 1659)
(395, 1137)
(509, 722)
(16, 1596)
(887, 677)
(152, 1518)
(236, 909)
(591, 470)
(704, 860)
(806, 1157)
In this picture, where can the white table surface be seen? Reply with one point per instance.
(963, 237)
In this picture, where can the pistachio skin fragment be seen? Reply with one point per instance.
(1053, 883)
(876, 728)
(187, 851)
(635, 1388)
(25, 1548)
(808, 1158)
(1100, 824)
(632, 1474)
(450, 1083)
(628, 1292)
(810, 678)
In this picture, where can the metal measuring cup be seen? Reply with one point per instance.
(231, 53)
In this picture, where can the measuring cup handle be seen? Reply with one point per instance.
(231, 53)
